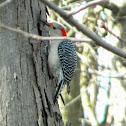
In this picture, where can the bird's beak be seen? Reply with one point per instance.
(45, 22)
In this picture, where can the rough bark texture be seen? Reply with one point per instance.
(25, 89)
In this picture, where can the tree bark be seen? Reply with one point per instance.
(26, 92)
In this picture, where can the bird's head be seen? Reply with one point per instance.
(55, 29)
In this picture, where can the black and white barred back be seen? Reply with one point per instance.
(68, 62)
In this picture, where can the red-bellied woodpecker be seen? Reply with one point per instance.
(62, 58)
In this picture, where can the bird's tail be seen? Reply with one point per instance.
(58, 91)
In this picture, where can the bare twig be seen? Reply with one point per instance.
(41, 38)
(85, 31)
(91, 3)
(79, 96)
(113, 75)
(5, 3)
(86, 120)
(119, 76)
(104, 26)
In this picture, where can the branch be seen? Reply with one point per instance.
(113, 75)
(41, 38)
(104, 26)
(5, 3)
(85, 6)
(111, 6)
(86, 31)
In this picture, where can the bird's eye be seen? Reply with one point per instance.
(54, 28)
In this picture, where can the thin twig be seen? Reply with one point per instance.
(113, 75)
(79, 96)
(82, 28)
(5, 3)
(105, 27)
(86, 120)
(41, 38)
(119, 75)
(91, 3)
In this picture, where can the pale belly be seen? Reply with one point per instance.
(53, 62)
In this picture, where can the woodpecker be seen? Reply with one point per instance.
(62, 59)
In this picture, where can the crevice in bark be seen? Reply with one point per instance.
(37, 95)
(21, 69)
(25, 5)
(39, 90)
(58, 117)
(36, 105)
(17, 17)
(48, 103)
(31, 9)
(42, 62)
(41, 107)
(6, 117)
(38, 25)
(44, 114)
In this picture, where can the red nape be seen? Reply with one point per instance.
(63, 32)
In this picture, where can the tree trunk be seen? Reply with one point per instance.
(26, 92)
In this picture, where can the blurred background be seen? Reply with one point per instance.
(98, 88)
